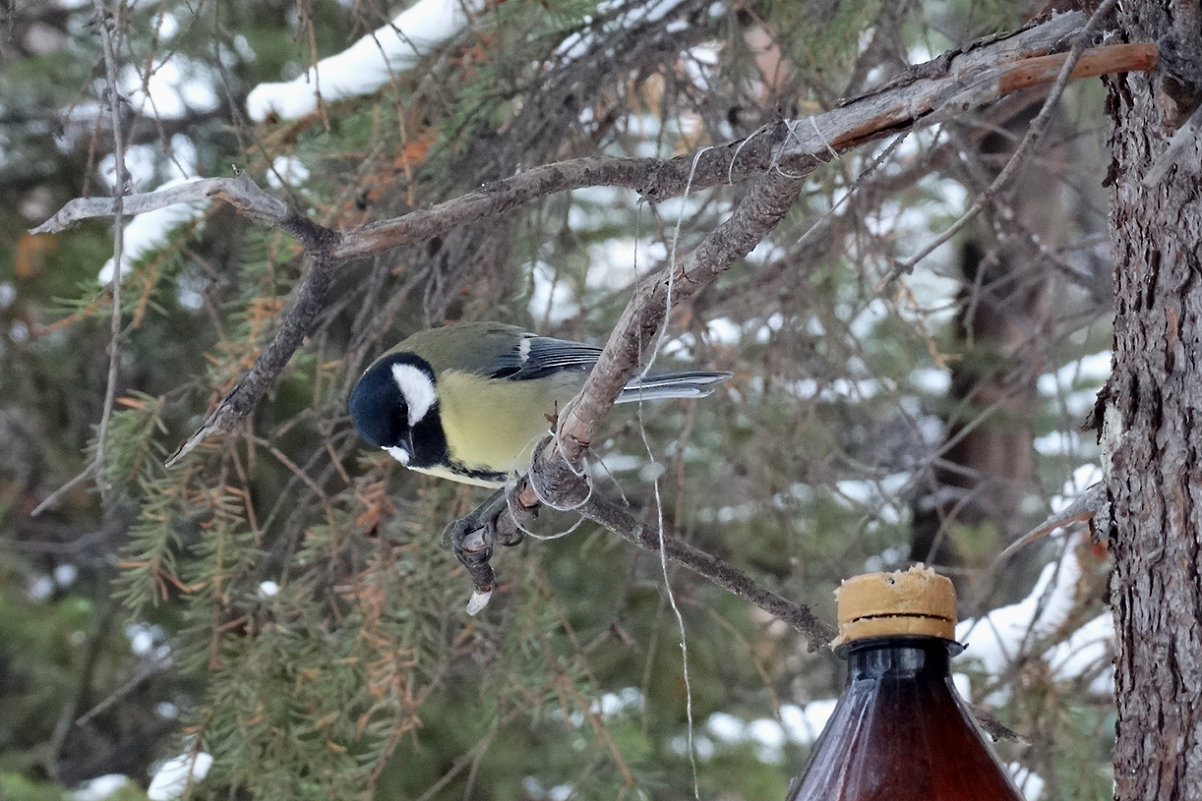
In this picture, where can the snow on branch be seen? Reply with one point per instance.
(366, 65)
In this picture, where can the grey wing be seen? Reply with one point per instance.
(538, 357)
(529, 356)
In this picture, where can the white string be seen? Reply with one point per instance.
(663, 329)
(560, 416)
(730, 169)
(613, 480)
(813, 122)
(545, 501)
(557, 534)
(659, 505)
(684, 644)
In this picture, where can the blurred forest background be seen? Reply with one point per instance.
(279, 608)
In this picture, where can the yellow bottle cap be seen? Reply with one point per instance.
(915, 601)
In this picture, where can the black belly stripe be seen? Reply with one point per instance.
(429, 441)
(459, 468)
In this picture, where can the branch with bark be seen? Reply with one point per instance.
(775, 161)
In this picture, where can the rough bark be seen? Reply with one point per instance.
(1150, 409)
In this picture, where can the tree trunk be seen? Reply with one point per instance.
(1151, 409)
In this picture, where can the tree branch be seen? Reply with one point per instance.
(967, 78)
(778, 159)
(240, 192)
(768, 201)
(757, 214)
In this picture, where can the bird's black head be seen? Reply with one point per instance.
(392, 397)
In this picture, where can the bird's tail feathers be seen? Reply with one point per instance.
(673, 384)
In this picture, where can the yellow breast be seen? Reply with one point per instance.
(495, 424)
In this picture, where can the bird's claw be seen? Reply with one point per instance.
(471, 540)
(478, 601)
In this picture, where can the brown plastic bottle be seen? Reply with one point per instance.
(900, 731)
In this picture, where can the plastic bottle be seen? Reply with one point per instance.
(900, 731)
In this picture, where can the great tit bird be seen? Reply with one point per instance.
(470, 401)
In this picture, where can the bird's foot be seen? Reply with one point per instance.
(472, 544)
(473, 536)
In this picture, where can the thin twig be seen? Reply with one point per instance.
(1083, 508)
(613, 516)
(1187, 136)
(121, 177)
(150, 667)
(95, 468)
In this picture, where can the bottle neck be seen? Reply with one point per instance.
(899, 657)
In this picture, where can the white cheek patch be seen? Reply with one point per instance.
(416, 388)
(400, 454)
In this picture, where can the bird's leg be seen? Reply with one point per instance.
(473, 548)
(523, 511)
(472, 538)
